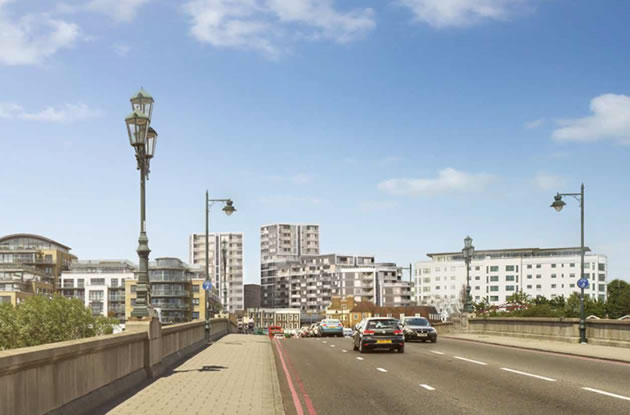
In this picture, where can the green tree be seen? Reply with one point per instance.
(540, 299)
(40, 320)
(483, 306)
(8, 327)
(591, 307)
(558, 302)
(520, 298)
(618, 304)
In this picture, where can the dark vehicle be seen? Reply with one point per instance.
(379, 333)
(418, 328)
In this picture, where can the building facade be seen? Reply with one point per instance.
(497, 274)
(100, 284)
(31, 264)
(225, 268)
(252, 296)
(287, 318)
(279, 245)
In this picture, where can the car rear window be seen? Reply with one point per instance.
(331, 321)
(382, 324)
(417, 321)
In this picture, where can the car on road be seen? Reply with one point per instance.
(312, 330)
(347, 332)
(330, 327)
(418, 328)
(379, 333)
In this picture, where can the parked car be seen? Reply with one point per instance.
(418, 328)
(330, 327)
(313, 331)
(347, 332)
(379, 333)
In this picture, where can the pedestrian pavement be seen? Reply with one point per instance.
(619, 354)
(235, 375)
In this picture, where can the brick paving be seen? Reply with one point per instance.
(236, 375)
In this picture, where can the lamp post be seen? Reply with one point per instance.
(468, 252)
(228, 209)
(223, 272)
(143, 139)
(558, 204)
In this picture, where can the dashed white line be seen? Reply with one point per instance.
(427, 387)
(518, 372)
(436, 352)
(344, 350)
(359, 358)
(332, 345)
(614, 395)
(324, 341)
(470, 360)
(380, 369)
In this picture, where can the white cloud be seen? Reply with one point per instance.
(548, 182)
(534, 124)
(31, 38)
(448, 181)
(121, 49)
(121, 10)
(461, 13)
(610, 120)
(64, 114)
(269, 26)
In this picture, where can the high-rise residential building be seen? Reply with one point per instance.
(252, 296)
(30, 264)
(279, 244)
(498, 273)
(100, 284)
(225, 265)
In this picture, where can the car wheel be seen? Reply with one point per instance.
(361, 349)
(401, 349)
(434, 340)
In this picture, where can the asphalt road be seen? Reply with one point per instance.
(325, 376)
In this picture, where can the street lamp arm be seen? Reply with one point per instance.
(576, 196)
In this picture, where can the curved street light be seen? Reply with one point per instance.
(468, 253)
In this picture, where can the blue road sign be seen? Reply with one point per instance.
(582, 283)
(207, 285)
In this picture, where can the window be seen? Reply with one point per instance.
(538, 266)
(97, 281)
(529, 287)
(602, 288)
(195, 315)
(426, 280)
(509, 277)
(553, 275)
(438, 278)
(453, 278)
(195, 301)
(529, 276)
(133, 288)
(601, 267)
(477, 288)
(571, 285)
(195, 288)
(538, 287)
(494, 288)
(553, 265)
(494, 278)
(494, 269)
(602, 277)
(587, 266)
(509, 288)
(509, 267)
(571, 275)
(494, 298)
(553, 285)
(538, 276)
(477, 268)
(114, 282)
(572, 265)
(529, 266)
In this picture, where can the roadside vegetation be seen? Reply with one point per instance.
(523, 305)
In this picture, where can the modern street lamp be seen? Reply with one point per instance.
(228, 209)
(143, 139)
(468, 253)
(558, 204)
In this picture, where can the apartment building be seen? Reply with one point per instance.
(225, 269)
(281, 244)
(100, 284)
(30, 264)
(499, 273)
(287, 318)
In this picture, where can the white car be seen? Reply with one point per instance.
(347, 332)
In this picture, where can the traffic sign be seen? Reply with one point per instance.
(207, 285)
(582, 283)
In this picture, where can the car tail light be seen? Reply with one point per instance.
(398, 332)
(368, 331)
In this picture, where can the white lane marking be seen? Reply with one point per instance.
(380, 369)
(436, 352)
(427, 387)
(359, 358)
(344, 350)
(614, 395)
(518, 372)
(470, 360)
(324, 341)
(332, 345)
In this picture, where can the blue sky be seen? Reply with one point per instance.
(400, 126)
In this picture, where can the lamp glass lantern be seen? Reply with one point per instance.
(558, 203)
(137, 128)
(229, 208)
(151, 142)
(468, 242)
(142, 102)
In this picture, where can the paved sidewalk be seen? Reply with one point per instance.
(619, 354)
(236, 375)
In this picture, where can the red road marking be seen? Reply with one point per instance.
(307, 399)
(294, 395)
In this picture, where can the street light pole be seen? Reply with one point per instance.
(468, 251)
(143, 139)
(558, 204)
(228, 209)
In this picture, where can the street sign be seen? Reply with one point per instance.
(582, 283)
(207, 285)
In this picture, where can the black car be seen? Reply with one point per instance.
(379, 333)
(418, 328)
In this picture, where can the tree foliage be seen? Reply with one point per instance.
(618, 304)
(40, 320)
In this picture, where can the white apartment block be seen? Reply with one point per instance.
(279, 244)
(225, 265)
(497, 274)
(100, 284)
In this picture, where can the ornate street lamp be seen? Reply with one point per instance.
(143, 139)
(468, 253)
(558, 204)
